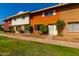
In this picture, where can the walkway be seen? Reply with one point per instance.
(48, 41)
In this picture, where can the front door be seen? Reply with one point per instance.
(52, 29)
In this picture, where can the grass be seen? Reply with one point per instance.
(12, 47)
(1, 31)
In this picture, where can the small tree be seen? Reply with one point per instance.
(12, 29)
(43, 29)
(28, 28)
(60, 24)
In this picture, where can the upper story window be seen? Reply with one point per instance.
(23, 17)
(49, 13)
(14, 19)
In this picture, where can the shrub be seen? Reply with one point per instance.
(28, 28)
(12, 30)
(9, 29)
(60, 24)
(20, 30)
(1, 28)
(43, 29)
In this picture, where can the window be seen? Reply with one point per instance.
(49, 13)
(73, 27)
(23, 17)
(37, 27)
(14, 19)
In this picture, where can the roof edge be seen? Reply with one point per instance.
(16, 15)
(50, 7)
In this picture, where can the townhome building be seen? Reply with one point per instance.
(47, 16)
(17, 22)
(69, 13)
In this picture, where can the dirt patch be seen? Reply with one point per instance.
(66, 38)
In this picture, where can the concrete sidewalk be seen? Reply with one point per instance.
(48, 41)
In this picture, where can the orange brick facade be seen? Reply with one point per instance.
(68, 13)
(37, 18)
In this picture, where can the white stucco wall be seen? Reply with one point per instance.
(20, 21)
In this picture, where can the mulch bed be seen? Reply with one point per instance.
(63, 38)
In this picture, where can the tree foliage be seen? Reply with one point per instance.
(43, 28)
(28, 27)
(60, 24)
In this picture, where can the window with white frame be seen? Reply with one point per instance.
(49, 13)
(73, 27)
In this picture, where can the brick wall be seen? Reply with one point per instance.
(7, 24)
(70, 13)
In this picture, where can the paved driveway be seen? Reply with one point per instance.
(47, 41)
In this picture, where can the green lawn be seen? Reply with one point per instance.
(1, 31)
(14, 47)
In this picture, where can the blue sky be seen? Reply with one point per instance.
(8, 9)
